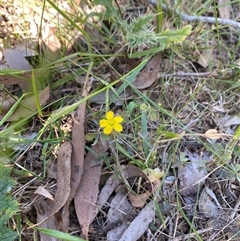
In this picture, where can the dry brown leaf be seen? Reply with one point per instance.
(43, 208)
(140, 224)
(87, 193)
(139, 200)
(63, 181)
(28, 105)
(149, 74)
(224, 9)
(78, 144)
(21, 78)
(133, 171)
(6, 101)
(44, 192)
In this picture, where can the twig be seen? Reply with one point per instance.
(235, 209)
(202, 19)
(191, 235)
(182, 74)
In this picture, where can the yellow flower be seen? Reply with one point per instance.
(111, 123)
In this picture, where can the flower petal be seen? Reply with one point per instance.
(118, 127)
(109, 115)
(103, 123)
(118, 119)
(107, 130)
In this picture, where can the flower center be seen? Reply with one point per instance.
(111, 122)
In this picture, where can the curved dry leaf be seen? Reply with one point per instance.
(87, 193)
(140, 224)
(149, 74)
(63, 177)
(63, 181)
(78, 145)
(138, 200)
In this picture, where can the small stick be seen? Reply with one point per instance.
(202, 19)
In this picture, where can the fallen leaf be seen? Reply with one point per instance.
(229, 120)
(149, 74)
(140, 224)
(44, 192)
(63, 177)
(120, 210)
(133, 171)
(207, 206)
(87, 193)
(28, 105)
(191, 174)
(63, 182)
(224, 9)
(43, 208)
(16, 62)
(138, 200)
(16, 58)
(78, 145)
(114, 181)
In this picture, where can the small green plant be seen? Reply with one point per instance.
(139, 33)
(8, 206)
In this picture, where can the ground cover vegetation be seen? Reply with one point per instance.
(119, 120)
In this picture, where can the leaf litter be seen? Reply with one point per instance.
(77, 160)
(87, 192)
(188, 185)
(46, 210)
